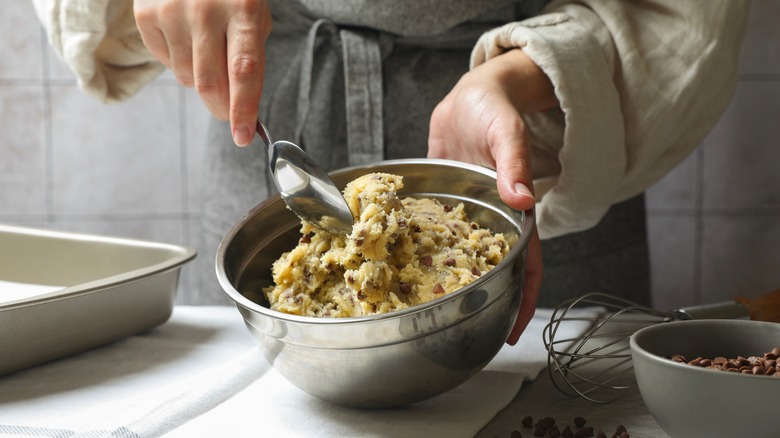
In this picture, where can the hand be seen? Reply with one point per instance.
(216, 46)
(479, 122)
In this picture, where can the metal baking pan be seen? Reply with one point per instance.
(62, 293)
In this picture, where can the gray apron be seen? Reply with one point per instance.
(354, 88)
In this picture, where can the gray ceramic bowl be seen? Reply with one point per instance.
(689, 401)
(396, 358)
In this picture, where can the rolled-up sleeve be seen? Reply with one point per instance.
(640, 84)
(101, 45)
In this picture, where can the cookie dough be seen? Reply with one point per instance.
(401, 252)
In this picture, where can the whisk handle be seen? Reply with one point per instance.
(724, 310)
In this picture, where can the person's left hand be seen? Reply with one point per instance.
(479, 122)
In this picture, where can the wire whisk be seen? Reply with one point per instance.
(596, 365)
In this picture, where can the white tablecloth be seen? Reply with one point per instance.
(199, 374)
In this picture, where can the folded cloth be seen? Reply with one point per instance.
(200, 375)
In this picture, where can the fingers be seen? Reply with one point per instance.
(151, 35)
(531, 287)
(246, 35)
(217, 46)
(209, 67)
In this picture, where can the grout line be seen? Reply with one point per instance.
(183, 164)
(710, 211)
(698, 230)
(758, 77)
(48, 149)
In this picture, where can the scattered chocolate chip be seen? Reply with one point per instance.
(567, 432)
(426, 260)
(545, 423)
(584, 432)
(305, 238)
(516, 434)
(601, 434)
(447, 207)
(405, 287)
(475, 270)
(438, 289)
(579, 422)
(450, 262)
(361, 296)
(528, 422)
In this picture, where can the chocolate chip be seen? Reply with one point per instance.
(579, 422)
(601, 434)
(516, 434)
(475, 270)
(584, 432)
(447, 207)
(546, 423)
(567, 432)
(405, 287)
(305, 238)
(528, 422)
(756, 365)
(426, 260)
(438, 289)
(450, 262)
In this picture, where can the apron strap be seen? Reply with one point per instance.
(363, 94)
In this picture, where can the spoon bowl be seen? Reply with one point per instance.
(305, 187)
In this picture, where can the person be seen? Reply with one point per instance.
(579, 105)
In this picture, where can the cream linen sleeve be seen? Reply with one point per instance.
(100, 43)
(639, 84)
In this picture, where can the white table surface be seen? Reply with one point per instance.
(199, 374)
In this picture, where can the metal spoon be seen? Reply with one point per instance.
(305, 187)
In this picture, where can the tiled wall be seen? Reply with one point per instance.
(68, 162)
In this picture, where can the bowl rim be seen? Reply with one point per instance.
(662, 361)
(527, 229)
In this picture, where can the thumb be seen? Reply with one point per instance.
(512, 154)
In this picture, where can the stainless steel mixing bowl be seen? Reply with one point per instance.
(395, 358)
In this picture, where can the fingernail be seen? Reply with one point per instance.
(523, 190)
(241, 135)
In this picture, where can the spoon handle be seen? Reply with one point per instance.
(263, 133)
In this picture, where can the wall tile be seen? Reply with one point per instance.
(740, 166)
(740, 255)
(58, 70)
(20, 48)
(760, 52)
(672, 242)
(197, 121)
(23, 163)
(677, 190)
(116, 158)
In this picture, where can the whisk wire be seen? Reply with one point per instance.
(577, 363)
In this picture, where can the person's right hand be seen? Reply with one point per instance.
(216, 46)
